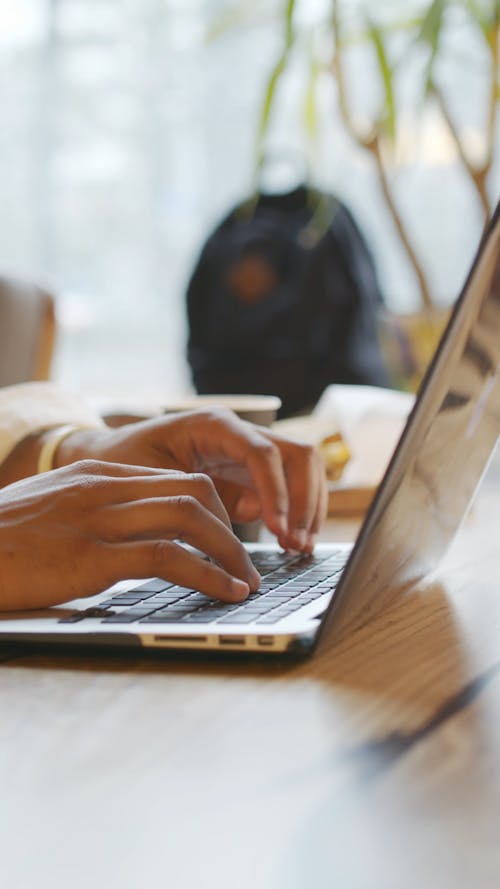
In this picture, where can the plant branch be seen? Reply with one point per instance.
(276, 74)
(476, 173)
(494, 93)
(338, 71)
(426, 297)
(371, 143)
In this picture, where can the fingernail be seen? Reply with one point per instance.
(300, 538)
(239, 588)
(281, 525)
(255, 577)
(311, 541)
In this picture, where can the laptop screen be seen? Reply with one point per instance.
(441, 456)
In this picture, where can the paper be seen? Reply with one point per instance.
(371, 420)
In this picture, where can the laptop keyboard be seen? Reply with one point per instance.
(289, 581)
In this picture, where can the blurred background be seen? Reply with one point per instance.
(129, 128)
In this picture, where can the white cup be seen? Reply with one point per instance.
(260, 409)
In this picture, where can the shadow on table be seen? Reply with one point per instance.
(409, 790)
(413, 650)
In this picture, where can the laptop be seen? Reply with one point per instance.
(304, 602)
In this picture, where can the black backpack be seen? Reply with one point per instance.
(283, 301)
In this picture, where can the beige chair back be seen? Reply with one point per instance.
(27, 332)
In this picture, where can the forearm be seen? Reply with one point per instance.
(28, 415)
(82, 444)
(22, 461)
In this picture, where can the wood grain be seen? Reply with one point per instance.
(373, 766)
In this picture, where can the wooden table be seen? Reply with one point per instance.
(373, 766)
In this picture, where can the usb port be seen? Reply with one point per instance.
(231, 640)
(265, 640)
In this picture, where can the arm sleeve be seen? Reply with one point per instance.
(30, 408)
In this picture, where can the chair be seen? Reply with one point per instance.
(27, 331)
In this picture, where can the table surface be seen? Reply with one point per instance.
(374, 764)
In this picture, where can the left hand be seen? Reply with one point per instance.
(258, 473)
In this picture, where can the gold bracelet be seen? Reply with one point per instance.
(52, 442)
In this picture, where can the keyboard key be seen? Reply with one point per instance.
(215, 605)
(153, 586)
(165, 619)
(196, 618)
(257, 610)
(119, 619)
(290, 582)
(174, 609)
(278, 593)
(168, 597)
(293, 606)
(93, 611)
(270, 618)
(237, 619)
(286, 591)
(198, 600)
(127, 599)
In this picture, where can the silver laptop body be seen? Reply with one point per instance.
(428, 486)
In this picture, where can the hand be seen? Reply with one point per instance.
(74, 531)
(257, 472)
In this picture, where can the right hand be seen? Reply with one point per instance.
(72, 532)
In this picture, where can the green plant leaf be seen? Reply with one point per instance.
(268, 103)
(388, 117)
(230, 19)
(429, 34)
(310, 115)
(289, 11)
(485, 14)
(272, 84)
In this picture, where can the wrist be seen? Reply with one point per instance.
(79, 444)
(24, 460)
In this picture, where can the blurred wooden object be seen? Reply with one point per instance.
(27, 331)
(408, 342)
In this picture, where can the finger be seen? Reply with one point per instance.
(103, 468)
(237, 451)
(242, 503)
(260, 456)
(247, 507)
(322, 508)
(183, 518)
(304, 481)
(174, 563)
(129, 487)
